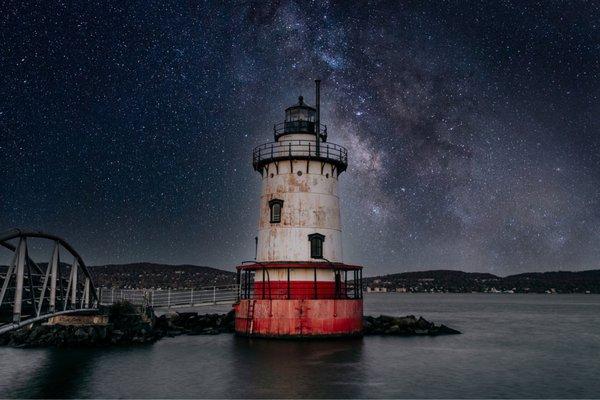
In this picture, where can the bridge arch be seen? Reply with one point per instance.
(29, 292)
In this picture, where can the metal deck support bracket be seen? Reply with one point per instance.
(19, 284)
(315, 284)
(8, 276)
(54, 277)
(74, 285)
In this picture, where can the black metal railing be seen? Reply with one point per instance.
(346, 284)
(298, 126)
(300, 149)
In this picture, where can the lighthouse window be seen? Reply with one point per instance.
(316, 245)
(275, 206)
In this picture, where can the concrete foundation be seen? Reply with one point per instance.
(78, 320)
(299, 318)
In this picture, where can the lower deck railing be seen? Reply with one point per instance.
(256, 283)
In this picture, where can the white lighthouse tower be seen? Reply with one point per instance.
(299, 195)
(299, 284)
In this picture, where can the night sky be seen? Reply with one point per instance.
(472, 128)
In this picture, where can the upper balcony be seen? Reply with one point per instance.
(300, 150)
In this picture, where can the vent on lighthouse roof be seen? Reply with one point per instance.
(300, 104)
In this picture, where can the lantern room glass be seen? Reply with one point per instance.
(299, 113)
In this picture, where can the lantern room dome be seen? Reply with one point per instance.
(299, 118)
(300, 110)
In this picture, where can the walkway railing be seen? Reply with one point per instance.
(171, 298)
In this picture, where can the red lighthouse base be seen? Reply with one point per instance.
(301, 318)
(329, 306)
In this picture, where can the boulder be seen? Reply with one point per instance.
(403, 326)
(444, 330)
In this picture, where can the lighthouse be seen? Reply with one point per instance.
(298, 285)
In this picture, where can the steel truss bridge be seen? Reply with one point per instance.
(32, 292)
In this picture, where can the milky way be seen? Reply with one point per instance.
(472, 129)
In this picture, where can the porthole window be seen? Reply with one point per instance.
(299, 173)
(316, 245)
(275, 205)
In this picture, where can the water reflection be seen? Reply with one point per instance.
(285, 368)
(534, 352)
(63, 373)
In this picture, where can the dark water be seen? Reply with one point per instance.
(533, 346)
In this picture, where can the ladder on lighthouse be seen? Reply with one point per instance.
(250, 317)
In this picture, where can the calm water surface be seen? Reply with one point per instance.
(512, 346)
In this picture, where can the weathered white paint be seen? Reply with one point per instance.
(309, 190)
(290, 137)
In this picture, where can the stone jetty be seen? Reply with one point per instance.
(128, 325)
(404, 326)
(191, 323)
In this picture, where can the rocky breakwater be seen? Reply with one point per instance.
(404, 326)
(126, 325)
(191, 323)
(211, 324)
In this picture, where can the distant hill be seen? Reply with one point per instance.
(561, 281)
(150, 275)
(435, 280)
(462, 282)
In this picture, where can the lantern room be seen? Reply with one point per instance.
(299, 119)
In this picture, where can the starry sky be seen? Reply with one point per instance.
(472, 127)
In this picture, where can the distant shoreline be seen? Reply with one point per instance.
(490, 293)
(164, 276)
(451, 281)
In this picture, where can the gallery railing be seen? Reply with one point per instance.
(300, 149)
